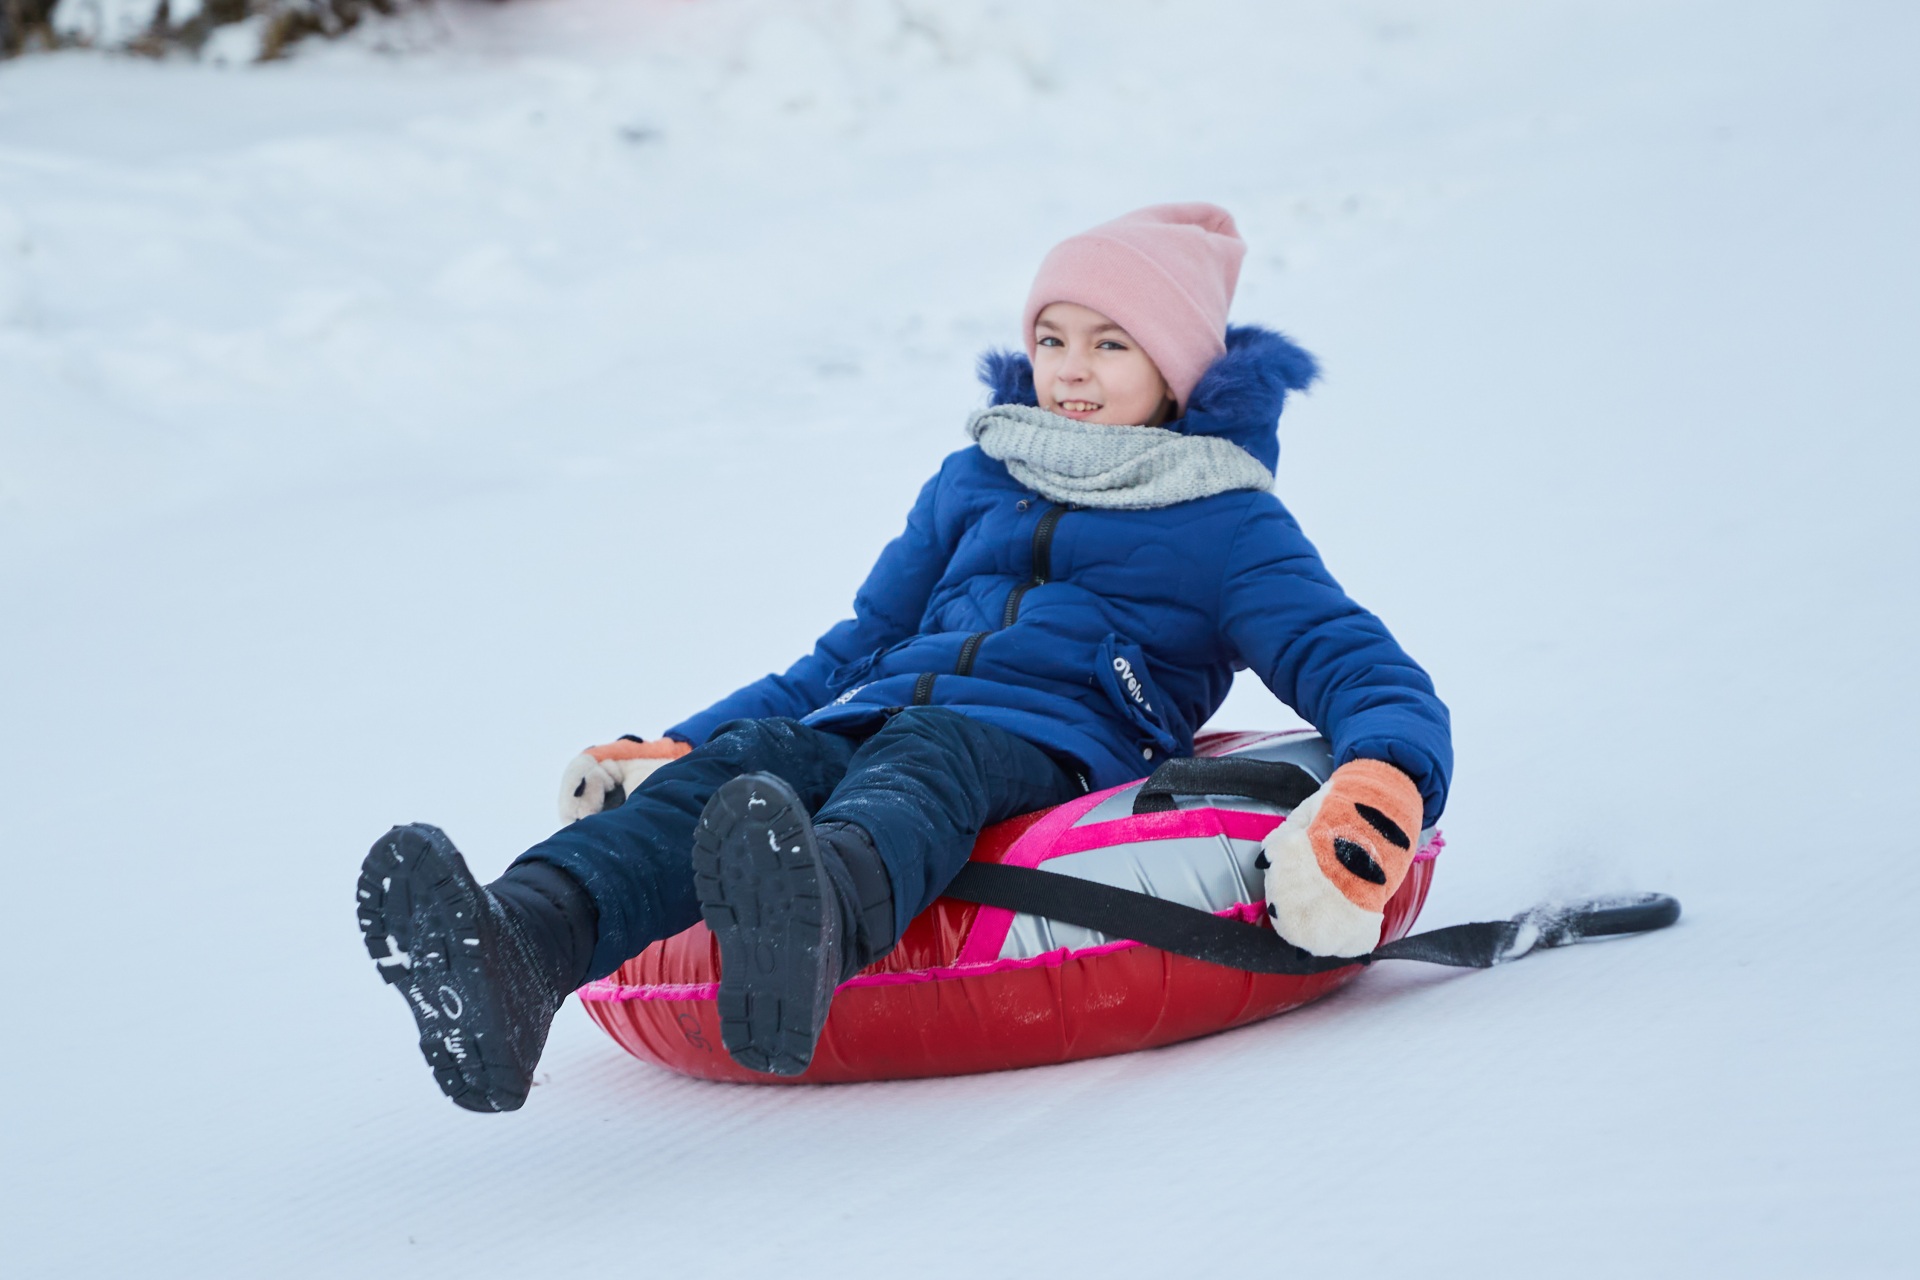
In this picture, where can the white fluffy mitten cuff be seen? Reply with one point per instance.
(603, 777)
(1335, 862)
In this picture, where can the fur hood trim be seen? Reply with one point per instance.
(1238, 398)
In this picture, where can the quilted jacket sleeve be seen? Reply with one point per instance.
(1328, 658)
(886, 610)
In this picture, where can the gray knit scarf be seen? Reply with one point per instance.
(1126, 468)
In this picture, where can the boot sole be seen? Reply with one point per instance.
(420, 911)
(758, 877)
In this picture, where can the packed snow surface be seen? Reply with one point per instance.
(377, 429)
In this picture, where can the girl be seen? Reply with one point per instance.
(1068, 603)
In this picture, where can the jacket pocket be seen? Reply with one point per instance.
(1121, 669)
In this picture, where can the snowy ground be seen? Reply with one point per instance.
(377, 430)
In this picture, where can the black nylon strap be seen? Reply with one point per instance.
(1123, 913)
(1201, 935)
(1274, 782)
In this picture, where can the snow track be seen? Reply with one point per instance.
(372, 428)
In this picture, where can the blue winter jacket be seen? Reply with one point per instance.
(1108, 637)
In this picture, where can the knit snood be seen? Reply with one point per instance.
(1090, 464)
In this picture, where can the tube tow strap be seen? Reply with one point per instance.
(1190, 931)
(1285, 786)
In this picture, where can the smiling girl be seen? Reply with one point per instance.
(1068, 603)
(1088, 368)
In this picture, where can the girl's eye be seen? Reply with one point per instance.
(1113, 344)
(1048, 342)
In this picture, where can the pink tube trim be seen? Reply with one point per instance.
(1175, 824)
(606, 990)
(1034, 846)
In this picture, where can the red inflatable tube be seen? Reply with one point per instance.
(957, 996)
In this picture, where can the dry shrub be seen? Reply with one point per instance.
(30, 24)
(25, 23)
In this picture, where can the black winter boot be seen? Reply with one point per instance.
(865, 891)
(483, 971)
(796, 912)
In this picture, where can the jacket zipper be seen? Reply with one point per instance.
(1042, 561)
(923, 689)
(968, 652)
(1042, 570)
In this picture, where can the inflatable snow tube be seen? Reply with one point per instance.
(974, 988)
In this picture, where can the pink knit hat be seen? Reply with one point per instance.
(1164, 273)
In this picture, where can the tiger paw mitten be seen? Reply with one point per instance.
(1334, 863)
(602, 777)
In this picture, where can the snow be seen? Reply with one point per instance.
(376, 430)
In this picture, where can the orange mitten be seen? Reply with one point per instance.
(602, 777)
(1334, 863)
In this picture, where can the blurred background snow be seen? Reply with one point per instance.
(382, 424)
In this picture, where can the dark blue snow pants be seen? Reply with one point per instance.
(922, 785)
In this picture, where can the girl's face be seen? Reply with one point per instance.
(1086, 367)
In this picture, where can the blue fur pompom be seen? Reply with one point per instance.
(1009, 375)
